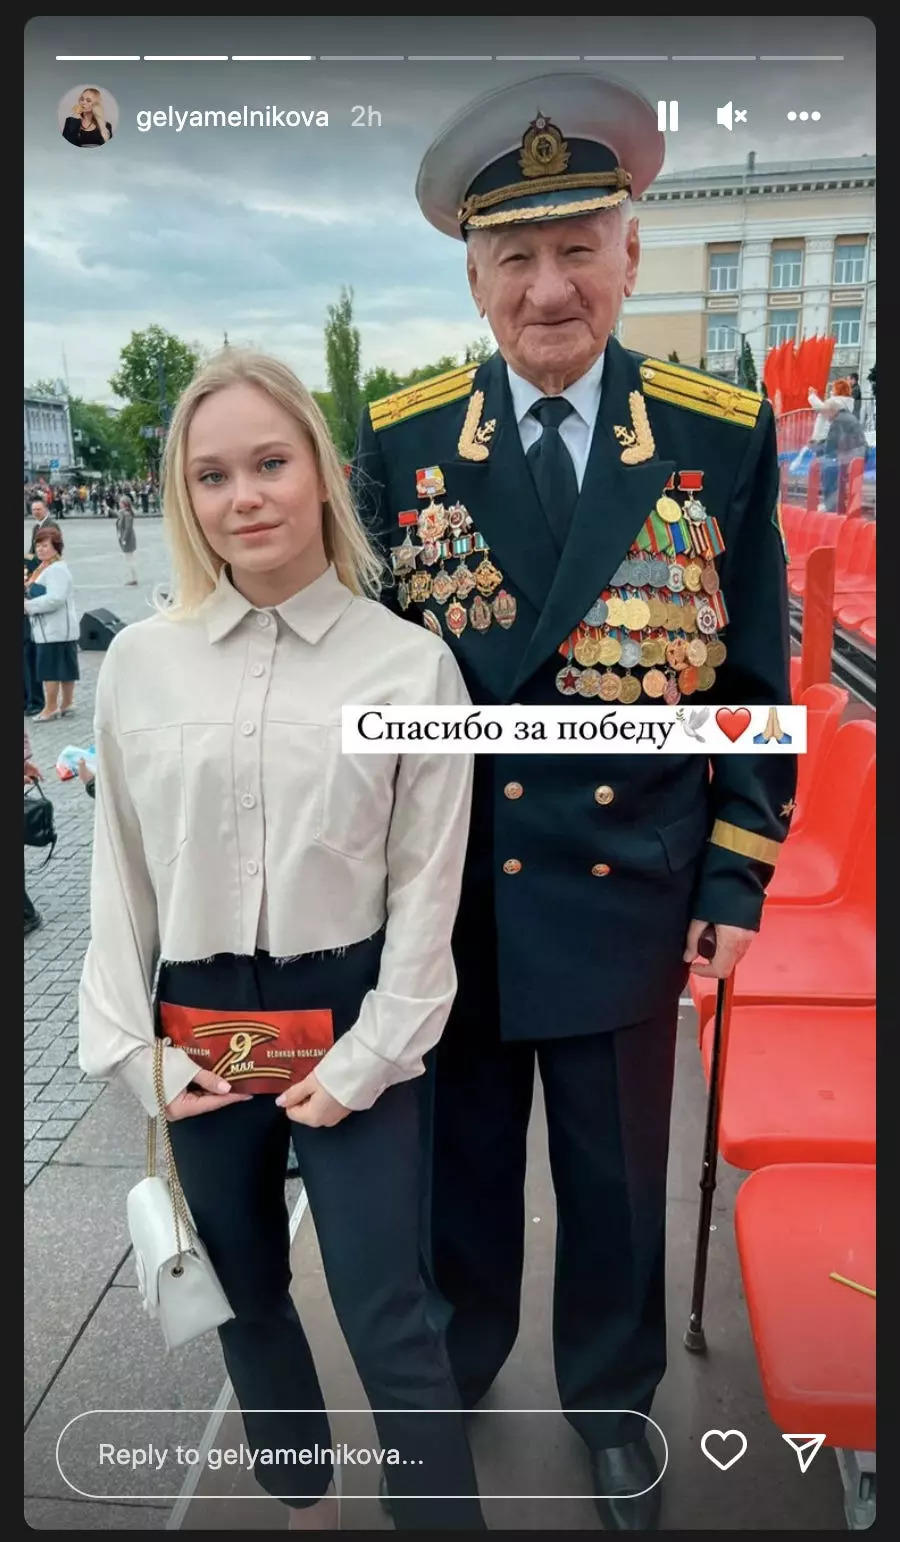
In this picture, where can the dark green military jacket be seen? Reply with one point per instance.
(584, 871)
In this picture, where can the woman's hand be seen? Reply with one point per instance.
(32, 774)
(216, 1093)
(309, 1103)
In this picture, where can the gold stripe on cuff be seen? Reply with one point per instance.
(744, 842)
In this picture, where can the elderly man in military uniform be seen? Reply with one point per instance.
(583, 526)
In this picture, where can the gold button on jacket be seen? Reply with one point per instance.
(512, 866)
(601, 869)
(513, 790)
(603, 795)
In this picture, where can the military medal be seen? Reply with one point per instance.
(487, 577)
(432, 622)
(687, 681)
(716, 653)
(403, 595)
(457, 620)
(676, 577)
(696, 652)
(609, 686)
(676, 653)
(631, 652)
(659, 573)
(629, 690)
(709, 578)
(668, 509)
(431, 551)
(420, 586)
(504, 606)
(621, 576)
(443, 587)
(640, 570)
(480, 614)
(658, 612)
(671, 694)
(432, 521)
(588, 650)
(693, 575)
(597, 613)
(463, 582)
(459, 518)
(637, 614)
(705, 677)
(408, 517)
(430, 482)
(403, 557)
(706, 619)
(654, 683)
(648, 653)
(609, 650)
(567, 680)
(615, 611)
(589, 683)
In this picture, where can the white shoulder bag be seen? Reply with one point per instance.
(177, 1282)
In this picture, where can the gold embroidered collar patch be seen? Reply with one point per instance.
(473, 441)
(637, 440)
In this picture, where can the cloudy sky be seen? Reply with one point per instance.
(253, 231)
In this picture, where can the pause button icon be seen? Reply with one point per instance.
(667, 116)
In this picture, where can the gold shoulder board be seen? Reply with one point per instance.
(435, 392)
(700, 393)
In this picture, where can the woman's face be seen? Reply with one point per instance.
(44, 549)
(87, 102)
(254, 485)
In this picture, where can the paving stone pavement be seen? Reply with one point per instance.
(57, 1094)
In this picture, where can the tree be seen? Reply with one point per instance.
(380, 382)
(479, 351)
(747, 368)
(156, 366)
(342, 362)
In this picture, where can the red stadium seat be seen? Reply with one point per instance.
(850, 550)
(861, 577)
(812, 954)
(867, 630)
(814, 1337)
(826, 531)
(799, 1085)
(816, 862)
(825, 705)
(796, 666)
(852, 615)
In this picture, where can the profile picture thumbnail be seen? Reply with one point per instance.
(88, 116)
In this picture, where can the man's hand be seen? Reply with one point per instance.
(732, 943)
(215, 1093)
(309, 1103)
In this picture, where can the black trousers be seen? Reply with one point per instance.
(363, 1180)
(608, 1102)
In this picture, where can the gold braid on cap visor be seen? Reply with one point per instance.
(619, 179)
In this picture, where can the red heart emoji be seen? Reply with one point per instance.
(733, 724)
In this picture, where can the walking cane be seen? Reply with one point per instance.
(694, 1337)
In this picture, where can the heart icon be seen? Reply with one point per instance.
(723, 1436)
(733, 724)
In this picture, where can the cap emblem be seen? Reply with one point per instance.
(544, 151)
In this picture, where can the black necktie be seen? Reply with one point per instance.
(552, 468)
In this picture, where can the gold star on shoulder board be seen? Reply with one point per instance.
(787, 809)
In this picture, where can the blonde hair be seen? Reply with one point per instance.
(196, 566)
(99, 115)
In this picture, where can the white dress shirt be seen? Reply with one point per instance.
(577, 430)
(220, 774)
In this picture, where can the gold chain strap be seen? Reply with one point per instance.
(179, 1205)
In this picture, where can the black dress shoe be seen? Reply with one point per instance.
(619, 1474)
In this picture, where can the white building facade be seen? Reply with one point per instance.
(769, 252)
(48, 436)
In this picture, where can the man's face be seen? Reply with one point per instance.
(38, 509)
(552, 292)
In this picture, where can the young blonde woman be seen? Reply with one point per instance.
(87, 123)
(309, 884)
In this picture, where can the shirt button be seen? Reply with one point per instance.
(513, 790)
(248, 800)
(252, 867)
(512, 866)
(262, 619)
(257, 670)
(247, 729)
(603, 795)
(601, 869)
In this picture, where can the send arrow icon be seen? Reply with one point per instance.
(806, 1447)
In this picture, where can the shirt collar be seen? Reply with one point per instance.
(583, 394)
(310, 613)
